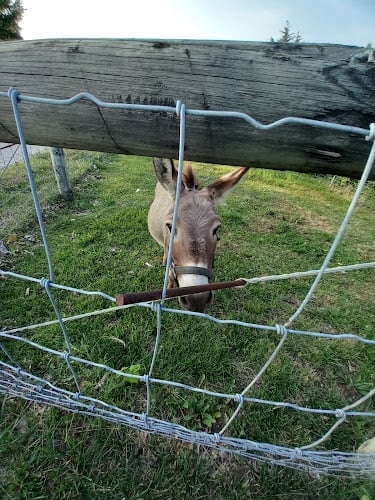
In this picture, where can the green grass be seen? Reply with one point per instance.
(274, 222)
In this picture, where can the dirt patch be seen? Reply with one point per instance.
(308, 219)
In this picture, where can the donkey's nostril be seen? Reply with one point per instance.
(183, 301)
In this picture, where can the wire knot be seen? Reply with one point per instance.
(281, 330)
(45, 282)
(155, 307)
(239, 399)
(340, 414)
(178, 108)
(66, 356)
(13, 93)
(146, 420)
(371, 136)
(217, 437)
(297, 452)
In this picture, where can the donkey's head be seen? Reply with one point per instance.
(197, 225)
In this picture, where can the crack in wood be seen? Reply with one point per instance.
(10, 132)
(124, 150)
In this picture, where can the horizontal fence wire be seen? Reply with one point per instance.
(17, 381)
(255, 326)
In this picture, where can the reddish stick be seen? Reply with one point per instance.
(134, 298)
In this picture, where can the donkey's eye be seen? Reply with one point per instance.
(169, 226)
(215, 233)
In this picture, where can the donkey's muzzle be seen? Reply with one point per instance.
(197, 302)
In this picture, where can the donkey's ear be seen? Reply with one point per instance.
(166, 174)
(224, 184)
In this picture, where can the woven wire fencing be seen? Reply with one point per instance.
(10, 156)
(12, 153)
(70, 393)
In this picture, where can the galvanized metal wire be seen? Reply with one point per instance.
(18, 381)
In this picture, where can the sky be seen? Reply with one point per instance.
(348, 22)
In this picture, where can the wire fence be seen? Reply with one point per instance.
(12, 153)
(11, 169)
(17, 380)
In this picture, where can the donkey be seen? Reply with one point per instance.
(196, 236)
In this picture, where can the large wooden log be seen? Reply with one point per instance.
(266, 80)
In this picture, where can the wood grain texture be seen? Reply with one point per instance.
(266, 80)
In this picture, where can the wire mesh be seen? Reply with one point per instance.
(18, 381)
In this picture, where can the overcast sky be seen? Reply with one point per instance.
(349, 22)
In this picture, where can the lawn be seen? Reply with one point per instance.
(273, 223)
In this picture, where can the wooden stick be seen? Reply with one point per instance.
(151, 295)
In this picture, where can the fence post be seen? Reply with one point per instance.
(61, 172)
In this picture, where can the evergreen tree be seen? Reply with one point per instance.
(10, 15)
(287, 36)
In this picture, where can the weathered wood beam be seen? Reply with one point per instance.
(266, 80)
